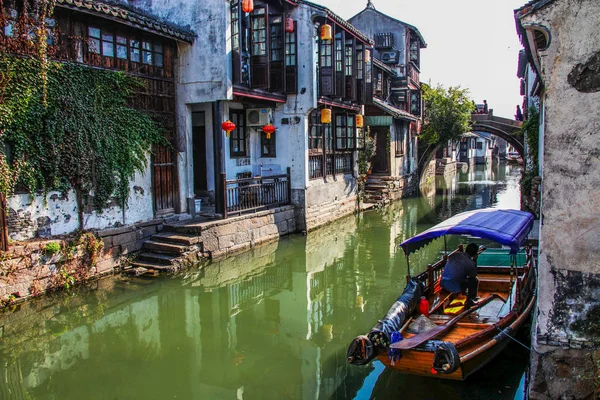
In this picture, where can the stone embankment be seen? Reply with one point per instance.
(35, 267)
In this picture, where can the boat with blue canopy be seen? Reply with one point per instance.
(433, 332)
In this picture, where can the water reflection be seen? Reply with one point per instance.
(272, 323)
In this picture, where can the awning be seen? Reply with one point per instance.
(393, 111)
(507, 227)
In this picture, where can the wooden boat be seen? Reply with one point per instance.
(456, 345)
(514, 158)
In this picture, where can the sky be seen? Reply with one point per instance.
(470, 43)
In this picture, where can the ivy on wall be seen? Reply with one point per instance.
(81, 135)
(65, 125)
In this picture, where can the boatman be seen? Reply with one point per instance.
(460, 273)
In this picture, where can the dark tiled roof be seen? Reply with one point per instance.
(383, 66)
(393, 111)
(532, 6)
(123, 14)
(340, 21)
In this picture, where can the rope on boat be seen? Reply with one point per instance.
(510, 337)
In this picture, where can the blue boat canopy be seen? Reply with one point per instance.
(508, 227)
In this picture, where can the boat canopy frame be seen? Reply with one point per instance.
(507, 227)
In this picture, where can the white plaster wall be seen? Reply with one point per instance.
(63, 211)
(203, 71)
(570, 226)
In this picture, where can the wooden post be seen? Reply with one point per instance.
(430, 275)
(289, 183)
(3, 224)
(224, 192)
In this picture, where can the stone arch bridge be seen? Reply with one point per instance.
(505, 128)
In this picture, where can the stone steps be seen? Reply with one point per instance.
(165, 248)
(153, 266)
(158, 258)
(176, 238)
(165, 252)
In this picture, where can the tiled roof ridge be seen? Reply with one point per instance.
(130, 15)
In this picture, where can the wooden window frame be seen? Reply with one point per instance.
(239, 135)
(415, 102)
(345, 131)
(291, 60)
(276, 53)
(316, 141)
(268, 147)
(141, 50)
(399, 139)
(414, 53)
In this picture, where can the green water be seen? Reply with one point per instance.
(272, 323)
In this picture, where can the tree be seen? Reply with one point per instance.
(447, 114)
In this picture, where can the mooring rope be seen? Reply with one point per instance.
(510, 337)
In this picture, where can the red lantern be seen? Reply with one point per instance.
(289, 25)
(268, 130)
(247, 6)
(228, 126)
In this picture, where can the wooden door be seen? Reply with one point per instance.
(163, 168)
(199, 141)
(381, 157)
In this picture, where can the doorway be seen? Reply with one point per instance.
(199, 151)
(381, 159)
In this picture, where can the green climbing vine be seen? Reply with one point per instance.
(67, 126)
(530, 130)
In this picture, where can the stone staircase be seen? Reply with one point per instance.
(166, 252)
(381, 189)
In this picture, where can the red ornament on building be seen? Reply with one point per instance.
(289, 25)
(247, 6)
(228, 126)
(268, 130)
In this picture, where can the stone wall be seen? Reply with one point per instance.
(223, 238)
(569, 260)
(32, 268)
(329, 201)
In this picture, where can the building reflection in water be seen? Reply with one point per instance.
(271, 323)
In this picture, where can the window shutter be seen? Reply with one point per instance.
(276, 56)
(291, 61)
(236, 43)
(339, 64)
(326, 67)
(259, 59)
(369, 78)
(350, 67)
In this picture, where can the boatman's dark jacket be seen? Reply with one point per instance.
(458, 267)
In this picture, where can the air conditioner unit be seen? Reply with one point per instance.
(390, 57)
(258, 116)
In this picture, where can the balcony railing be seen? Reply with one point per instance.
(256, 193)
(339, 163)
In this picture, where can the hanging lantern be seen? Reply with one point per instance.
(289, 25)
(228, 126)
(268, 130)
(326, 116)
(247, 6)
(367, 56)
(359, 121)
(326, 32)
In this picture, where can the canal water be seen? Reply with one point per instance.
(272, 323)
